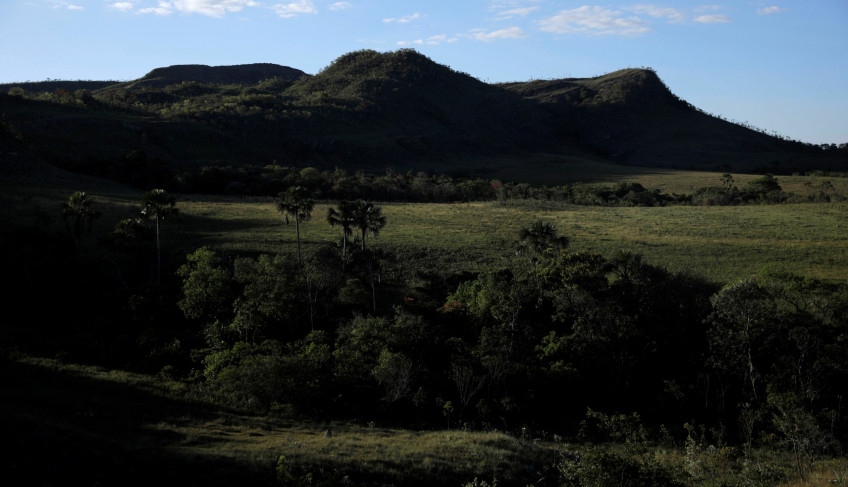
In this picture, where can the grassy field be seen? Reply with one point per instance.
(84, 424)
(119, 428)
(76, 424)
(720, 243)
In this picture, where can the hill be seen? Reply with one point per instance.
(244, 74)
(370, 110)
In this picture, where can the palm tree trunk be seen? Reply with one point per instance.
(297, 227)
(158, 256)
(373, 289)
(344, 250)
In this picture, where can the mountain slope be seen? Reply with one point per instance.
(630, 116)
(370, 110)
(244, 74)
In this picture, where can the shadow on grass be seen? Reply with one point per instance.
(64, 428)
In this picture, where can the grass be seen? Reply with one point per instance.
(83, 424)
(719, 243)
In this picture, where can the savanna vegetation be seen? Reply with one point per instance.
(520, 340)
(392, 273)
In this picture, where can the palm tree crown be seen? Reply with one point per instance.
(343, 217)
(78, 208)
(368, 219)
(541, 235)
(158, 205)
(295, 202)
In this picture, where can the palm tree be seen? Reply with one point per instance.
(541, 235)
(295, 202)
(78, 207)
(158, 205)
(343, 217)
(368, 218)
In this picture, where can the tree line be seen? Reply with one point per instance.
(140, 170)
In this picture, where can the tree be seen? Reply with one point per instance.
(368, 219)
(295, 202)
(158, 205)
(78, 208)
(208, 287)
(539, 236)
(343, 217)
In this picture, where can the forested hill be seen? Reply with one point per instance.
(244, 74)
(370, 110)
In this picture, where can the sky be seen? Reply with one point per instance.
(781, 67)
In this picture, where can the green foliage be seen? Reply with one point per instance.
(260, 375)
(208, 287)
(268, 302)
(598, 467)
(78, 209)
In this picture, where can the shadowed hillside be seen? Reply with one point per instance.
(244, 74)
(370, 110)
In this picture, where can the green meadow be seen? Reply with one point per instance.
(719, 243)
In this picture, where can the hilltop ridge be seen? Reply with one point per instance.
(371, 110)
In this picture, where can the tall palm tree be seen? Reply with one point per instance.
(78, 208)
(343, 217)
(368, 219)
(295, 202)
(158, 205)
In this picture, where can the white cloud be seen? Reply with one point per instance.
(122, 6)
(213, 8)
(164, 8)
(770, 10)
(713, 19)
(521, 12)
(672, 14)
(287, 10)
(594, 20)
(708, 8)
(340, 6)
(432, 41)
(508, 33)
(403, 20)
(57, 4)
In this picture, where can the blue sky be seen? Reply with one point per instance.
(782, 67)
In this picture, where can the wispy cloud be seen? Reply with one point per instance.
(770, 10)
(713, 19)
(212, 8)
(340, 6)
(594, 20)
(403, 20)
(673, 15)
(288, 10)
(432, 41)
(57, 4)
(508, 33)
(164, 8)
(707, 8)
(517, 12)
(122, 6)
